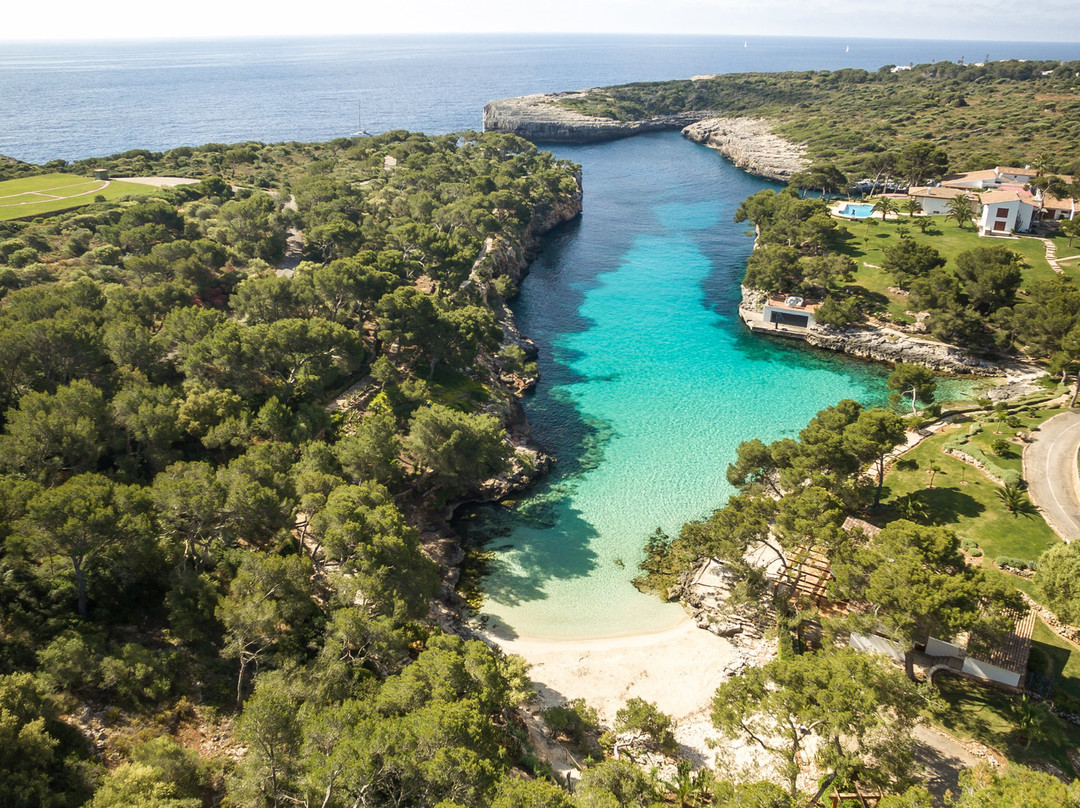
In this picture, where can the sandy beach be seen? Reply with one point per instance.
(679, 669)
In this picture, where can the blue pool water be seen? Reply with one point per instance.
(856, 211)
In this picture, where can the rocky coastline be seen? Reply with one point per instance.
(882, 343)
(501, 257)
(749, 143)
(538, 118)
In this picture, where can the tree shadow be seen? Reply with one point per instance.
(876, 299)
(938, 505)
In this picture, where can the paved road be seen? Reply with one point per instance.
(1050, 469)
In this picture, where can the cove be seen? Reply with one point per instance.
(648, 384)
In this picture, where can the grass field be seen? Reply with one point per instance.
(49, 193)
(866, 245)
(986, 714)
(965, 500)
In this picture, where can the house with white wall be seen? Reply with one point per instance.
(935, 199)
(1006, 212)
(789, 312)
(990, 178)
(1004, 663)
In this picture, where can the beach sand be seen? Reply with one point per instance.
(679, 669)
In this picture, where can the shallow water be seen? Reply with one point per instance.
(649, 382)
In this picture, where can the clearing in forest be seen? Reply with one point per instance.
(49, 193)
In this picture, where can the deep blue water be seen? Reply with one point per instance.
(70, 100)
(649, 382)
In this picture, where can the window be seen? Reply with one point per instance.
(1003, 213)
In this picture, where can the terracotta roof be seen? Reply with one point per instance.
(851, 523)
(1025, 172)
(1012, 652)
(1051, 202)
(937, 192)
(992, 197)
(970, 176)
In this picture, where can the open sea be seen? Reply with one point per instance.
(648, 381)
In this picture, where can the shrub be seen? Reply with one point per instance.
(23, 257)
(574, 721)
(1000, 446)
(1013, 422)
(971, 547)
(136, 676)
(71, 664)
(1012, 477)
(643, 716)
(1016, 563)
(838, 313)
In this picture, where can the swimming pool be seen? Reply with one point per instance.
(856, 211)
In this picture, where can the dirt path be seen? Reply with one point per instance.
(942, 758)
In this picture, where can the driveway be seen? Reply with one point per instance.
(1050, 469)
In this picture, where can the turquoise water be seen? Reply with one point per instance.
(649, 383)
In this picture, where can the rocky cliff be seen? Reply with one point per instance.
(884, 344)
(750, 144)
(538, 118)
(888, 345)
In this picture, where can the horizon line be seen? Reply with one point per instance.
(530, 34)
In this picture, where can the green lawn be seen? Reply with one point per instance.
(965, 500)
(866, 244)
(991, 430)
(49, 193)
(1064, 249)
(1063, 659)
(985, 714)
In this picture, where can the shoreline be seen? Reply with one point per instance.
(608, 671)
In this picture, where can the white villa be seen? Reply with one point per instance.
(1007, 203)
(990, 178)
(1006, 212)
(790, 311)
(935, 199)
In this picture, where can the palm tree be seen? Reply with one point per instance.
(961, 209)
(1014, 499)
(911, 207)
(884, 206)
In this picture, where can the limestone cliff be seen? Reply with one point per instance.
(750, 144)
(880, 343)
(889, 345)
(538, 118)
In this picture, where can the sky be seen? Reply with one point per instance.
(994, 20)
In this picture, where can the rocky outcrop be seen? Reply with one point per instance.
(889, 345)
(540, 119)
(881, 344)
(750, 144)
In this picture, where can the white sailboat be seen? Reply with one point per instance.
(361, 131)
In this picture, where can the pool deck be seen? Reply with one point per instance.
(839, 205)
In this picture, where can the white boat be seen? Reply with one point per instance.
(361, 132)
